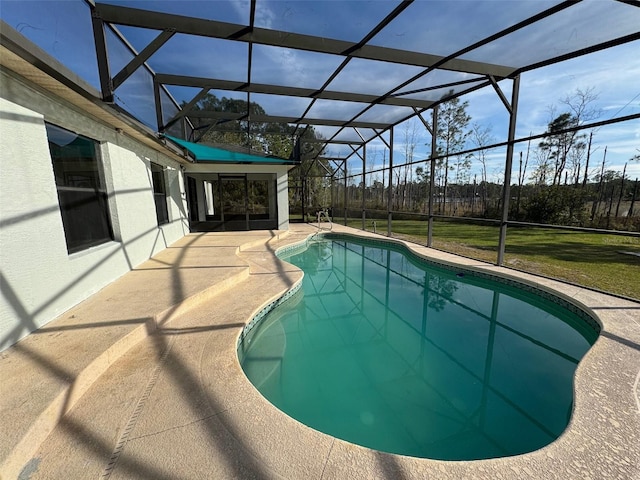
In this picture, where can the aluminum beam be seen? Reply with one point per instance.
(390, 185)
(214, 84)
(432, 173)
(506, 187)
(142, 57)
(102, 57)
(188, 107)
(134, 17)
(337, 142)
(283, 119)
(25, 49)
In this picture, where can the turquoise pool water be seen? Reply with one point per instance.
(385, 351)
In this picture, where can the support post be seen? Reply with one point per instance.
(332, 204)
(364, 183)
(633, 201)
(432, 173)
(246, 202)
(390, 183)
(302, 197)
(158, 100)
(346, 197)
(102, 57)
(506, 188)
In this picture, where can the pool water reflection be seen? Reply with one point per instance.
(385, 351)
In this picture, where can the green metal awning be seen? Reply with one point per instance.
(206, 153)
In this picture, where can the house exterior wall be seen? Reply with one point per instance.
(202, 171)
(39, 279)
(282, 187)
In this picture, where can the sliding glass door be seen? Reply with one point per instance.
(233, 192)
(220, 202)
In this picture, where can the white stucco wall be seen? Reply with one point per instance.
(282, 187)
(39, 278)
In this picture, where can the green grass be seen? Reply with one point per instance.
(600, 261)
(595, 260)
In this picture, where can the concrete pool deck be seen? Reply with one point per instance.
(142, 381)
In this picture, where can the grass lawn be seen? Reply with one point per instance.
(602, 261)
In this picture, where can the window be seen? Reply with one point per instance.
(81, 189)
(160, 193)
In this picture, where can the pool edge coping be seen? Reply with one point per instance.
(572, 296)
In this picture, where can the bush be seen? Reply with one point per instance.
(561, 205)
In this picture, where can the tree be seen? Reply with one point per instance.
(567, 149)
(543, 167)
(600, 179)
(580, 105)
(635, 158)
(307, 182)
(404, 176)
(481, 137)
(230, 132)
(265, 137)
(422, 180)
(522, 175)
(560, 142)
(451, 137)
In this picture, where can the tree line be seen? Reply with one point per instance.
(558, 180)
(307, 182)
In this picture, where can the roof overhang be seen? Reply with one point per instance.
(203, 153)
(29, 62)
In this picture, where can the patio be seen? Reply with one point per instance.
(142, 381)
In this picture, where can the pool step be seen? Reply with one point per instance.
(160, 384)
(45, 374)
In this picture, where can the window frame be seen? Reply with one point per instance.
(160, 195)
(98, 194)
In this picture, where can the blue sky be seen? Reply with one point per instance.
(63, 29)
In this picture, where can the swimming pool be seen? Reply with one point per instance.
(386, 350)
